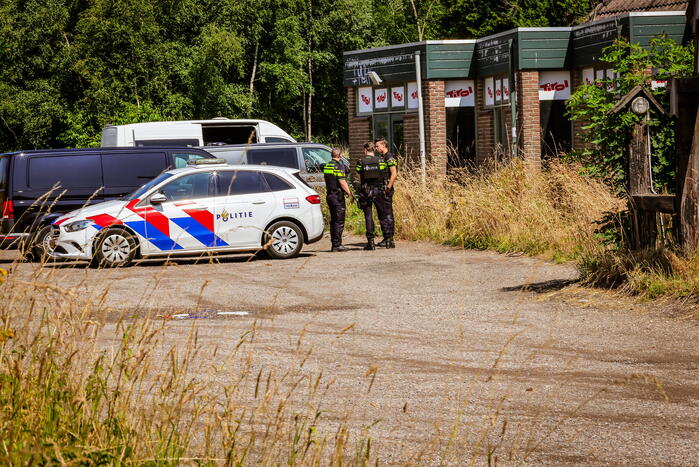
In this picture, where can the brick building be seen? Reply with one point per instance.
(472, 88)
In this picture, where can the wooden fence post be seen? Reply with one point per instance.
(643, 224)
(689, 201)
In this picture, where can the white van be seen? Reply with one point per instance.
(215, 132)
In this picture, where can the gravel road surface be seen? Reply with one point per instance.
(430, 340)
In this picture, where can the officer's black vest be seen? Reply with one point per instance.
(372, 171)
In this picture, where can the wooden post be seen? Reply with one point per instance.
(689, 199)
(643, 225)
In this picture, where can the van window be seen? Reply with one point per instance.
(281, 157)
(277, 139)
(71, 172)
(131, 169)
(240, 182)
(238, 134)
(165, 142)
(181, 159)
(315, 158)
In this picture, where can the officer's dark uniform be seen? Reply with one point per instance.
(390, 161)
(334, 171)
(371, 171)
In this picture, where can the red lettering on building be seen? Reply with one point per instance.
(366, 100)
(413, 95)
(555, 86)
(460, 92)
(381, 98)
(398, 96)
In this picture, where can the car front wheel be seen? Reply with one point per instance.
(283, 240)
(41, 246)
(114, 248)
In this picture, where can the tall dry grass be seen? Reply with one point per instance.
(550, 213)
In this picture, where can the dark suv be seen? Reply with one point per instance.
(39, 185)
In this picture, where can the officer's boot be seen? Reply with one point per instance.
(382, 243)
(390, 243)
(370, 244)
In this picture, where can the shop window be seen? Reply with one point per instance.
(556, 129)
(461, 136)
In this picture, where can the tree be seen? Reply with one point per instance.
(606, 134)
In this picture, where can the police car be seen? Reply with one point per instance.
(208, 206)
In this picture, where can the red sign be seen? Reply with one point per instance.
(555, 86)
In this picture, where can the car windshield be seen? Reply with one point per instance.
(160, 178)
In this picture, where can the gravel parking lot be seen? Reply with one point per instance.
(419, 337)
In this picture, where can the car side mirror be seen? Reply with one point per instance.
(158, 198)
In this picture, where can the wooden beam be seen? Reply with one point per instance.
(655, 203)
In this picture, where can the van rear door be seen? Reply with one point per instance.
(6, 217)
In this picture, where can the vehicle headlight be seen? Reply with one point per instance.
(78, 225)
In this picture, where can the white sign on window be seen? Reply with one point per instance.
(364, 96)
(412, 95)
(599, 75)
(398, 97)
(554, 85)
(498, 90)
(381, 98)
(459, 93)
(506, 89)
(489, 91)
(588, 75)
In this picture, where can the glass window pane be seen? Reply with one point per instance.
(132, 169)
(315, 158)
(79, 171)
(181, 159)
(281, 157)
(192, 186)
(275, 183)
(240, 182)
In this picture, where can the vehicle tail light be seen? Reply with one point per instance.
(313, 199)
(8, 210)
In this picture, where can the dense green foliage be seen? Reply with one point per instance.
(607, 134)
(71, 66)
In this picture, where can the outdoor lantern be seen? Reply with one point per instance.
(640, 105)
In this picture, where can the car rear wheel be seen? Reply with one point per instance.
(114, 248)
(283, 240)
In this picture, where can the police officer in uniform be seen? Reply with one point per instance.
(390, 175)
(336, 185)
(371, 193)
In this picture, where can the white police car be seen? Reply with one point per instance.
(208, 206)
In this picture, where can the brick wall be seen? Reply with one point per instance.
(411, 138)
(484, 126)
(435, 125)
(359, 128)
(529, 130)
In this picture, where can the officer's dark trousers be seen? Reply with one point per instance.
(336, 204)
(373, 196)
(388, 196)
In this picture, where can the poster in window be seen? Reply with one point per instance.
(554, 85)
(506, 89)
(364, 97)
(599, 75)
(398, 97)
(380, 99)
(489, 91)
(498, 90)
(459, 93)
(588, 75)
(412, 95)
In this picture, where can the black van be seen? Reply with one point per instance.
(38, 186)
